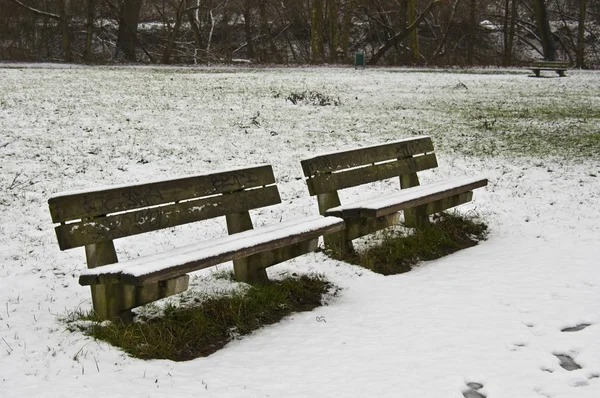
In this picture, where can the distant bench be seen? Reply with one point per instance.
(559, 67)
(95, 218)
(326, 174)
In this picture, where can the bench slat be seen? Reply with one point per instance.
(407, 198)
(151, 219)
(322, 183)
(372, 154)
(208, 253)
(66, 207)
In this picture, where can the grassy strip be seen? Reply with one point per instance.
(208, 324)
(399, 251)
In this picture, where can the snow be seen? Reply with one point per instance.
(215, 247)
(491, 314)
(407, 195)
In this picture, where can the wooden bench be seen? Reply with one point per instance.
(559, 67)
(326, 174)
(95, 218)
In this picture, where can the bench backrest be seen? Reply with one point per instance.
(331, 172)
(96, 216)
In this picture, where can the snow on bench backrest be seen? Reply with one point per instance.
(95, 216)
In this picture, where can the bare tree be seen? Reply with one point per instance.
(541, 17)
(63, 21)
(580, 57)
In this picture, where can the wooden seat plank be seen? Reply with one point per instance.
(190, 258)
(407, 198)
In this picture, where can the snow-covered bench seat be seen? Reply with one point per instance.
(559, 67)
(95, 218)
(328, 173)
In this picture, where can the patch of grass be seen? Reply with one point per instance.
(207, 323)
(399, 251)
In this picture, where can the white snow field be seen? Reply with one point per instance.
(491, 314)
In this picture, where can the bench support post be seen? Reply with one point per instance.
(337, 242)
(249, 269)
(113, 300)
(417, 216)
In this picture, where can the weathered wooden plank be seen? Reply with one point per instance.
(416, 216)
(361, 156)
(447, 203)
(424, 199)
(246, 269)
(154, 218)
(357, 227)
(101, 202)
(406, 199)
(322, 183)
(550, 64)
(335, 242)
(161, 289)
(229, 252)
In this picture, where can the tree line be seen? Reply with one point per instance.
(387, 32)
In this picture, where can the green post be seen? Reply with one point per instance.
(359, 60)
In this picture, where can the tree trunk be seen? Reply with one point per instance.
(346, 25)
(580, 59)
(414, 34)
(128, 24)
(473, 29)
(333, 8)
(511, 33)
(192, 14)
(401, 35)
(441, 46)
(316, 32)
(267, 32)
(166, 58)
(87, 52)
(248, 29)
(541, 17)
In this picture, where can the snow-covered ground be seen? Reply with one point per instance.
(491, 314)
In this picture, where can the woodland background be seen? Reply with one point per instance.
(387, 32)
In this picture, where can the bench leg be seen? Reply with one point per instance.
(415, 217)
(537, 72)
(338, 242)
(561, 73)
(110, 301)
(249, 269)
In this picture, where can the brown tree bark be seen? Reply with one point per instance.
(580, 59)
(63, 21)
(473, 31)
(316, 32)
(87, 52)
(248, 5)
(173, 32)
(401, 35)
(333, 9)
(508, 49)
(541, 17)
(414, 35)
(127, 35)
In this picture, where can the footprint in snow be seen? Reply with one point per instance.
(472, 391)
(567, 363)
(576, 328)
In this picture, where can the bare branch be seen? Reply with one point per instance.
(36, 11)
